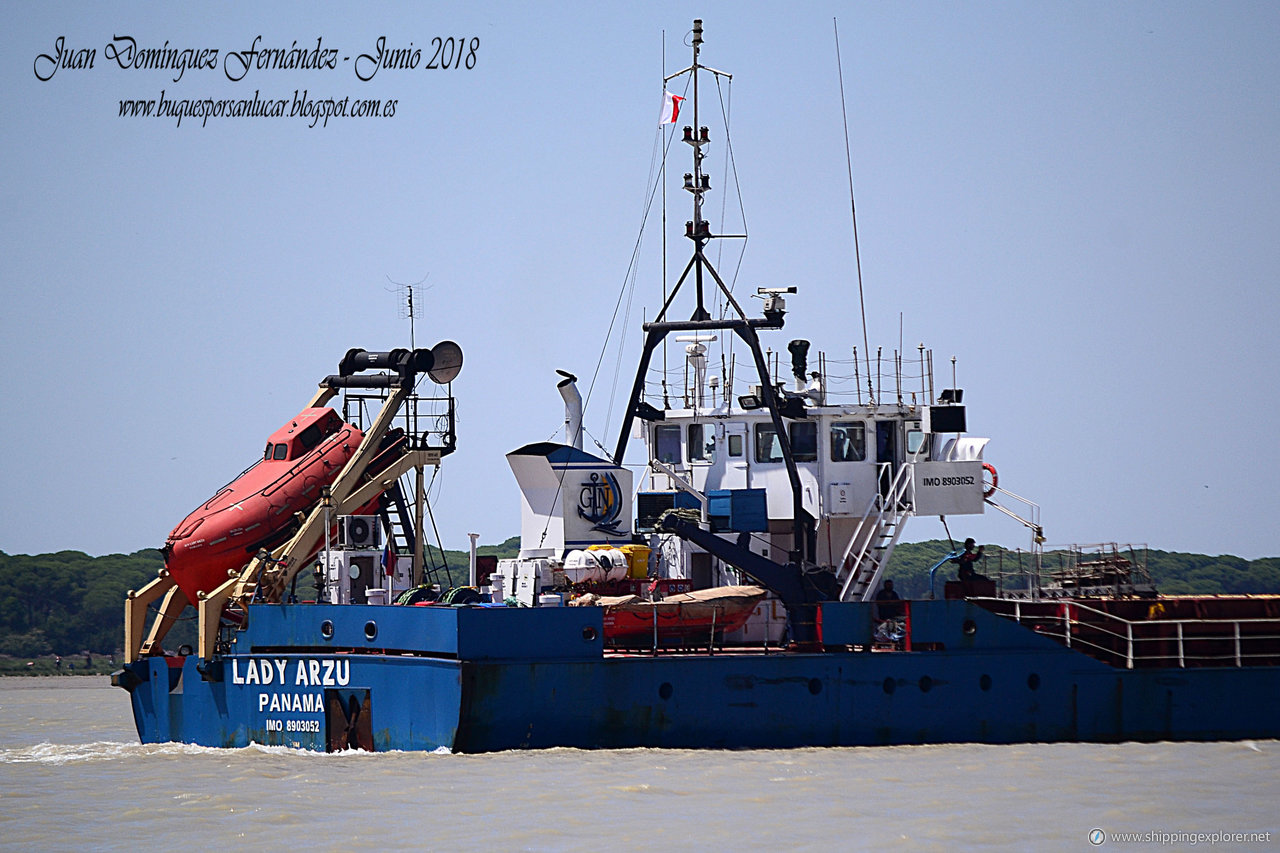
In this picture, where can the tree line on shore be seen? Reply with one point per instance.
(69, 603)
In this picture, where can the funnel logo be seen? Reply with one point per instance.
(600, 502)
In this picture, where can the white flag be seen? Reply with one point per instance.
(670, 108)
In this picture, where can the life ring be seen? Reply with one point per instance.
(995, 480)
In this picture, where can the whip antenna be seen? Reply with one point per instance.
(853, 210)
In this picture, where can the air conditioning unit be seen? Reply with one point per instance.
(359, 531)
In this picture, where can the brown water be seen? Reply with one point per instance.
(73, 777)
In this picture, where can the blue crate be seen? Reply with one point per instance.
(738, 510)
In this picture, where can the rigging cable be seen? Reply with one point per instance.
(662, 258)
(724, 195)
(627, 290)
(853, 208)
(628, 279)
(444, 559)
(730, 164)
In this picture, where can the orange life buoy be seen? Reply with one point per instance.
(995, 480)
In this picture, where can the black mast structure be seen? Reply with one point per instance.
(698, 230)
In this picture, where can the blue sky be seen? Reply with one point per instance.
(1077, 200)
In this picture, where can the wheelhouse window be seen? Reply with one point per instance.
(848, 441)
(666, 440)
(735, 444)
(768, 447)
(917, 442)
(702, 443)
(266, 454)
(281, 451)
(804, 441)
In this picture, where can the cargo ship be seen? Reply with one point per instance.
(729, 592)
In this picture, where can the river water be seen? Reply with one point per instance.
(73, 777)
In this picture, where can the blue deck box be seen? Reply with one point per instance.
(738, 510)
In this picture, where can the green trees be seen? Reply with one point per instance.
(68, 602)
(1174, 573)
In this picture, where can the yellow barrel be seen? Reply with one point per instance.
(637, 557)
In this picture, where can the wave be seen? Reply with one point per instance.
(54, 754)
(63, 753)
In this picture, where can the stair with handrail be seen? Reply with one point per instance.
(875, 537)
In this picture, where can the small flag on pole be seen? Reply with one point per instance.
(670, 108)
(389, 559)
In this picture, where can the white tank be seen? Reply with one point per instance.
(583, 566)
(614, 564)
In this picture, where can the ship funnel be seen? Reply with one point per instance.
(568, 388)
(569, 499)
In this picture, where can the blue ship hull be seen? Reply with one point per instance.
(480, 679)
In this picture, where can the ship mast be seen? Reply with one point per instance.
(698, 230)
(698, 185)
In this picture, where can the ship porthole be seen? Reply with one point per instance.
(815, 686)
(370, 630)
(985, 682)
(589, 634)
(1033, 681)
(890, 685)
(326, 629)
(665, 690)
(969, 627)
(926, 684)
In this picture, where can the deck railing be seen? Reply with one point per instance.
(1150, 642)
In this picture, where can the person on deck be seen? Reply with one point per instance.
(967, 562)
(888, 602)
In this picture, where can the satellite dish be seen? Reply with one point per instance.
(448, 362)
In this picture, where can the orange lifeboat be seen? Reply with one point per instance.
(258, 508)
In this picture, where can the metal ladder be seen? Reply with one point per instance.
(396, 519)
(878, 532)
(398, 522)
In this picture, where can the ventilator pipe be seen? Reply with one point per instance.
(572, 409)
(799, 361)
(472, 576)
(696, 354)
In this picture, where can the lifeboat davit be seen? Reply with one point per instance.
(257, 509)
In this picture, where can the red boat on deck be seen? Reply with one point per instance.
(684, 618)
(258, 509)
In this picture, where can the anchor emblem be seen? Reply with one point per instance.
(600, 502)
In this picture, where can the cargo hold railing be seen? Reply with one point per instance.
(1132, 643)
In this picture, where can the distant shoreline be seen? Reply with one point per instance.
(55, 675)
